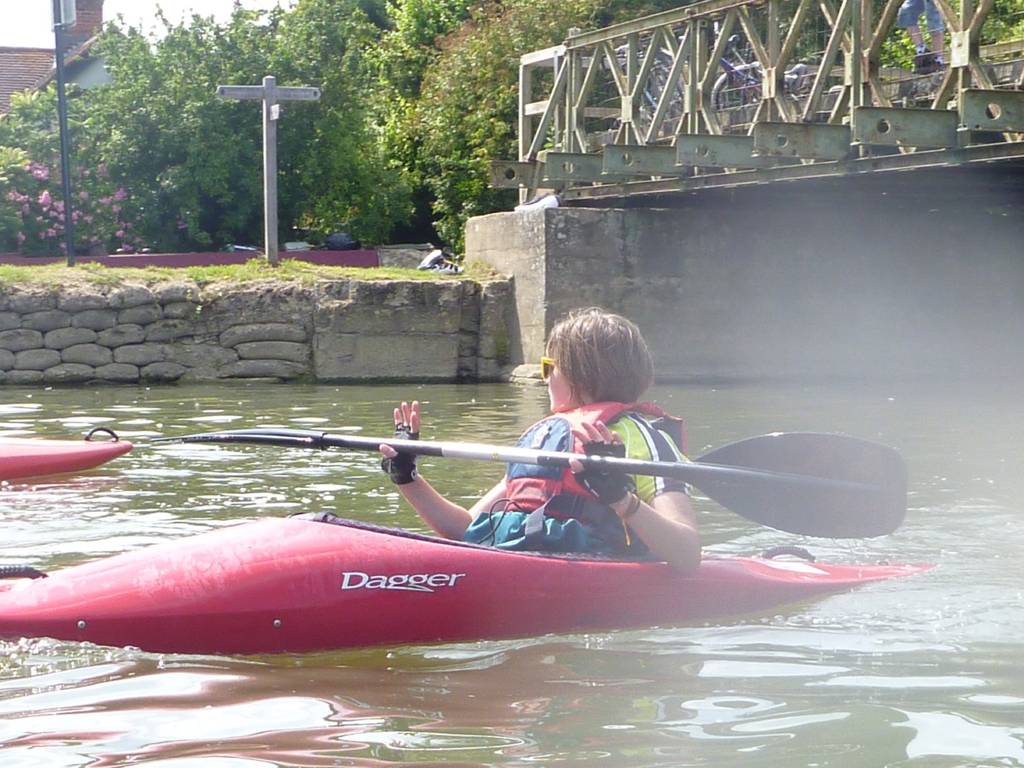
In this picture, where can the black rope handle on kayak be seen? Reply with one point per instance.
(20, 572)
(108, 431)
(791, 551)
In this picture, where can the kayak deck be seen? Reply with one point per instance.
(297, 585)
(25, 457)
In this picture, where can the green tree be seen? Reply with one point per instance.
(342, 177)
(411, 44)
(191, 159)
(403, 55)
(466, 115)
(1005, 22)
(30, 188)
(203, 154)
(190, 163)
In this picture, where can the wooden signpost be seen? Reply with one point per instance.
(271, 96)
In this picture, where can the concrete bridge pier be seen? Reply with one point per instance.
(854, 278)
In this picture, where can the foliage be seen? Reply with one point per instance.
(1004, 22)
(407, 49)
(342, 178)
(193, 156)
(192, 162)
(13, 168)
(100, 212)
(204, 154)
(466, 115)
(400, 60)
(417, 97)
(31, 194)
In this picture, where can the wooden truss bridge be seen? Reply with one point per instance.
(728, 92)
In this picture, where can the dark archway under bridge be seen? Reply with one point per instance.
(893, 272)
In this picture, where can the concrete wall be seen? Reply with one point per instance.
(329, 331)
(807, 284)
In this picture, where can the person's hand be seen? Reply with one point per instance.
(398, 465)
(608, 484)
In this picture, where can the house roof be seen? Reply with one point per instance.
(22, 69)
(72, 58)
(33, 68)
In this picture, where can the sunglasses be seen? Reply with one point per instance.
(547, 365)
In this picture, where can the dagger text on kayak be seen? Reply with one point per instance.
(408, 582)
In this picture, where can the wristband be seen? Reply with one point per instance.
(402, 468)
(631, 507)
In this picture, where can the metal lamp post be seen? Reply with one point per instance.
(64, 14)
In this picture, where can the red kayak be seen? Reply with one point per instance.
(296, 585)
(25, 457)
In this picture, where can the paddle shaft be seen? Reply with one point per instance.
(808, 483)
(692, 472)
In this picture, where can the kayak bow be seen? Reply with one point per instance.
(25, 457)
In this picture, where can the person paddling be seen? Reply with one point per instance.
(597, 367)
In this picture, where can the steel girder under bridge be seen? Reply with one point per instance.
(731, 92)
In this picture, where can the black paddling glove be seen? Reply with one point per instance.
(610, 485)
(402, 468)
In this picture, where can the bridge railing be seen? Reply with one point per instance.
(722, 86)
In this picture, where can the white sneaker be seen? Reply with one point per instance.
(545, 201)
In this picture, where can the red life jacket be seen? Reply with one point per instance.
(528, 487)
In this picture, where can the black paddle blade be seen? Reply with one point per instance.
(868, 499)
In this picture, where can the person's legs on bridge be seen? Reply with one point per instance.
(908, 19)
(936, 29)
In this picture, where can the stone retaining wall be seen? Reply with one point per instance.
(330, 331)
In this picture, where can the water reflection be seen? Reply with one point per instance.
(953, 735)
(922, 671)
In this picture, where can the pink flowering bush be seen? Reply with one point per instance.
(12, 164)
(32, 217)
(31, 197)
(33, 211)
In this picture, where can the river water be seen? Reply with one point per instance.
(923, 671)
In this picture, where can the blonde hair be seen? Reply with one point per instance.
(602, 356)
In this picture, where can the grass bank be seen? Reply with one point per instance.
(255, 270)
